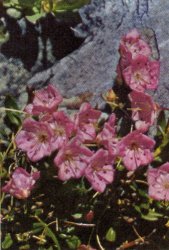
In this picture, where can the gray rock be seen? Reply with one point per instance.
(13, 80)
(92, 67)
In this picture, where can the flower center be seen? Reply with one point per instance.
(42, 137)
(138, 76)
(166, 185)
(59, 131)
(68, 156)
(134, 146)
(96, 168)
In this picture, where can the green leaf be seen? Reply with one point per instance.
(73, 242)
(34, 18)
(70, 5)
(50, 248)
(26, 3)
(50, 233)
(152, 216)
(9, 3)
(37, 227)
(53, 237)
(143, 193)
(14, 117)
(38, 211)
(111, 235)
(7, 243)
(149, 218)
(14, 13)
(137, 208)
(145, 205)
(63, 236)
(161, 122)
(77, 216)
(25, 247)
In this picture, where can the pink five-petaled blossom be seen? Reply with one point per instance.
(158, 181)
(107, 137)
(142, 74)
(21, 183)
(136, 150)
(45, 100)
(61, 126)
(144, 110)
(100, 171)
(35, 139)
(85, 121)
(72, 159)
(131, 45)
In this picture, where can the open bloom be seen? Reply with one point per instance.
(142, 74)
(158, 181)
(107, 137)
(131, 45)
(85, 121)
(35, 139)
(100, 171)
(21, 183)
(61, 126)
(45, 100)
(144, 110)
(72, 159)
(136, 150)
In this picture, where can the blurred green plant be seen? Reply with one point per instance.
(35, 9)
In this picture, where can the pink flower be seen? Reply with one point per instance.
(45, 100)
(72, 159)
(61, 126)
(21, 183)
(133, 44)
(85, 122)
(107, 137)
(142, 74)
(136, 150)
(144, 110)
(35, 139)
(100, 171)
(158, 181)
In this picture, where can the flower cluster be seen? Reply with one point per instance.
(139, 73)
(86, 145)
(51, 130)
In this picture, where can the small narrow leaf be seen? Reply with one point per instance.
(14, 117)
(161, 122)
(77, 216)
(111, 235)
(7, 243)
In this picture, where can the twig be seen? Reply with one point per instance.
(130, 244)
(79, 224)
(142, 182)
(54, 222)
(138, 235)
(13, 110)
(38, 238)
(96, 194)
(99, 243)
